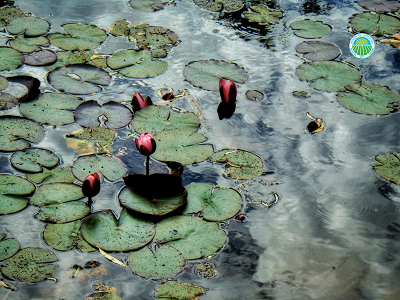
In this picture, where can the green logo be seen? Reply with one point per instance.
(362, 45)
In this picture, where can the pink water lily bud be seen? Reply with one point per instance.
(146, 144)
(227, 90)
(138, 102)
(91, 185)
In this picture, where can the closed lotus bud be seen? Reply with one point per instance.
(227, 90)
(138, 102)
(146, 144)
(91, 185)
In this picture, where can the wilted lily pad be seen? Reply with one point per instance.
(318, 50)
(214, 204)
(177, 290)
(63, 212)
(310, 29)
(96, 140)
(30, 265)
(379, 24)
(79, 79)
(8, 101)
(10, 59)
(117, 115)
(379, 5)
(28, 44)
(66, 236)
(12, 192)
(57, 192)
(33, 159)
(8, 13)
(78, 36)
(192, 236)
(103, 230)
(328, 76)
(8, 248)
(182, 145)
(215, 5)
(207, 73)
(388, 166)
(40, 58)
(262, 14)
(28, 26)
(59, 174)
(148, 5)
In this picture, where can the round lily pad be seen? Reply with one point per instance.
(214, 204)
(379, 24)
(7, 101)
(30, 265)
(8, 248)
(79, 79)
(28, 44)
(117, 115)
(28, 86)
(388, 166)
(318, 50)
(369, 98)
(3, 83)
(262, 14)
(110, 167)
(125, 58)
(310, 29)
(148, 5)
(192, 236)
(164, 263)
(182, 145)
(254, 95)
(33, 159)
(379, 5)
(176, 290)
(10, 59)
(8, 13)
(66, 236)
(214, 5)
(28, 26)
(12, 192)
(206, 74)
(78, 36)
(57, 192)
(63, 213)
(59, 174)
(103, 230)
(40, 58)
(328, 76)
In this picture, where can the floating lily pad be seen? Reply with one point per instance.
(192, 236)
(177, 290)
(78, 36)
(17, 132)
(388, 166)
(369, 98)
(10, 59)
(110, 167)
(12, 192)
(66, 236)
(117, 115)
(40, 58)
(239, 164)
(33, 159)
(64, 212)
(28, 86)
(318, 50)
(58, 192)
(214, 204)
(328, 76)
(79, 79)
(3, 83)
(206, 74)
(8, 248)
(28, 26)
(182, 145)
(59, 174)
(105, 293)
(262, 14)
(254, 95)
(154, 119)
(101, 135)
(215, 5)
(379, 5)
(310, 29)
(379, 24)
(30, 265)
(8, 101)
(148, 5)
(28, 44)
(8, 13)
(102, 230)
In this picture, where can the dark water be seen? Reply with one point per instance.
(334, 233)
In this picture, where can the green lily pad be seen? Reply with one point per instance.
(369, 98)
(63, 212)
(28, 44)
(154, 119)
(254, 95)
(103, 230)
(176, 290)
(380, 24)
(62, 60)
(388, 166)
(110, 167)
(78, 36)
(310, 29)
(33, 159)
(262, 14)
(207, 73)
(329, 76)
(17, 132)
(8, 101)
(57, 192)
(192, 236)
(30, 265)
(10, 59)
(239, 164)
(216, 5)
(215, 204)
(59, 174)
(148, 5)
(182, 145)
(318, 50)
(125, 58)
(51, 108)
(78, 79)
(40, 58)
(12, 192)
(66, 236)
(100, 135)
(164, 263)
(8, 13)
(28, 26)
(8, 248)
(3, 83)
(379, 5)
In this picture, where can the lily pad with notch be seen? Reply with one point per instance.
(176, 290)
(28, 26)
(63, 212)
(28, 44)
(379, 5)
(318, 50)
(58, 174)
(40, 58)
(310, 29)
(33, 160)
(10, 59)
(379, 24)
(217, 6)
(8, 247)
(13, 192)
(55, 193)
(388, 166)
(254, 95)
(263, 14)
(148, 5)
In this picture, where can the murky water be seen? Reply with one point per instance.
(334, 233)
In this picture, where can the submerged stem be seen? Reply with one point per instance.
(147, 164)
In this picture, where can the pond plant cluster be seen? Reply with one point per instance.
(158, 228)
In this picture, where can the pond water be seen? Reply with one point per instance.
(334, 232)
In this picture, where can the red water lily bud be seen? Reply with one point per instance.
(91, 185)
(138, 102)
(146, 144)
(227, 90)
